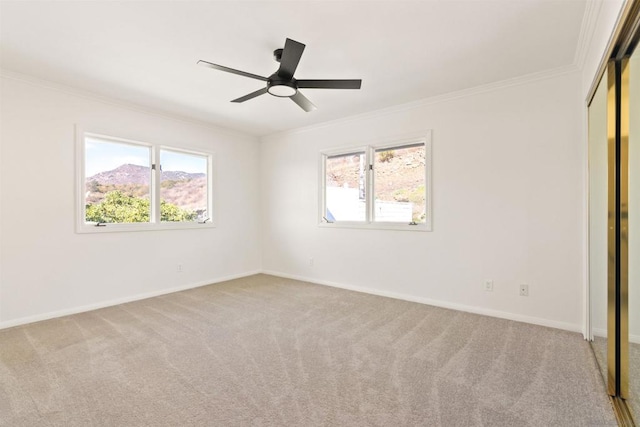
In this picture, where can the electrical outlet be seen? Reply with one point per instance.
(488, 285)
(311, 262)
(524, 290)
(179, 268)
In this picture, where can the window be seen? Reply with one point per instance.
(184, 194)
(345, 187)
(378, 186)
(399, 184)
(130, 185)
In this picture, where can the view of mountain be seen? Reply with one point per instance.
(136, 174)
(184, 189)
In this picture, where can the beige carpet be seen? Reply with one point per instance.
(277, 352)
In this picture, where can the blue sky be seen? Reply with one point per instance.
(176, 161)
(103, 156)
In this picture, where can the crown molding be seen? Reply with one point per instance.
(464, 93)
(138, 108)
(589, 21)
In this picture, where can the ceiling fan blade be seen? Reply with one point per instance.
(329, 84)
(303, 102)
(290, 58)
(251, 95)
(231, 70)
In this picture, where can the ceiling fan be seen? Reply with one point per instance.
(281, 83)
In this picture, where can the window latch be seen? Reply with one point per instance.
(326, 220)
(413, 223)
(204, 220)
(101, 224)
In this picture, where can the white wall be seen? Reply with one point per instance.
(47, 268)
(507, 183)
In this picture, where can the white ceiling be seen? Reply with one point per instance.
(145, 52)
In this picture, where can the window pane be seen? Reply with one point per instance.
(345, 187)
(183, 187)
(400, 184)
(117, 177)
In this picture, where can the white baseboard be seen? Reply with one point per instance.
(437, 303)
(405, 297)
(110, 303)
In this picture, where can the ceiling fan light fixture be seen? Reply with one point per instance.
(282, 90)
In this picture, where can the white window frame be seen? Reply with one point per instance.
(369, 150)
(154, 216)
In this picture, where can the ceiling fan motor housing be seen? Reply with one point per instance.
(277, 54)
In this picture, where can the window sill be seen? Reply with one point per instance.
(376, 226)
(127, 228)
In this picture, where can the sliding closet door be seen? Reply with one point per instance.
(618, 227)
(633, 398)
(614, 232)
